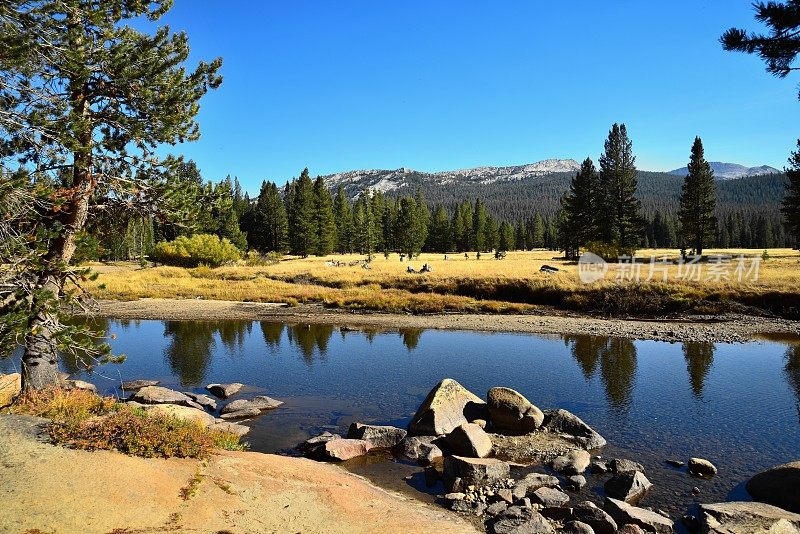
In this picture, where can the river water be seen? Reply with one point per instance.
(737, 405)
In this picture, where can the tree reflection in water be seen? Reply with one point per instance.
(792, 370)
(411, 337)
(617, 359)
(307, 337)
(191, 344)
(272, 333)
(699, 360)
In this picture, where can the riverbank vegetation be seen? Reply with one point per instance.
(511, 285)
(83, 420)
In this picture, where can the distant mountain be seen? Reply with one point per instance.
(390, 180)
(520, 191)
(730, 171)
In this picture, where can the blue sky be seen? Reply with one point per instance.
(344, 85)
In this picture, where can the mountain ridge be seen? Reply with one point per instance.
(731, 171)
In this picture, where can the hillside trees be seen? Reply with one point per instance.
(343, 218)
(87, 99)
(698, 200)
(300, 203)
(324, 223)
(791, 203)
(268, 225)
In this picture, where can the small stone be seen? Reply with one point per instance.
(10, 388)
(511, 411)
(159, 395)
(261, 403)
(133, 385)
(572, 463)
(624, 514)
(550, 497)
(454, 496)
(203, 400)
(598, 467)
(587, 512)
(343, 449)
(469, 440)
(496, 508)
(564, 422)
(248, 413)
(419, 448)
(317, 441)
(506, 494)
(576, 527)
(695, 490)
(630, 487)
(231, 428)
(532, 482)
(80, 384)
(700, 467)
(676, 463)
(223, 391)
(576, 482)
(474, 471)
(621, 465)
(379, 436)
(184, 413)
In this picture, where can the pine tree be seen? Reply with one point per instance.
(343, 216)
(439, 235)
(376, 205)
(479, 225)
(791, 202)
(388, 221)
(406, 227)
(580, 209)
(698, 200)
(422, 219)
(618, 209)
(537, 232)
(507, 239)
(492, 234)
(270, 226)
(364, 224)
(324, 222)
(302, 224)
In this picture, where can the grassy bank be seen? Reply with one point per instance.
(458, 284)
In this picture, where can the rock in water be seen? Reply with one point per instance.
(473, 471)
(630, 487)
(469, 440)
(378, 436)
(343, 449)
(80, 384)
(419, 448)
(550, 497)
(700, 467)
(223, 391)
(261, 403)
(621, 465)
(159, 395)
(203, 400)
(133, 385)
(10, 388)
(244, 413)
(747, 517)
(576, 482)
(564, 422)
(572, 463)
(512, 412)
(315, 442)
(779, 486)
(531, 483)
(624, 514)
(184, 413)
(587, 512)
(448, 405)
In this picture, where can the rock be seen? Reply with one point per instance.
(343, 449)
(532, 482)
(779, 486)
(510, 411)
(463, 506)
(80, 384)
(549, 497)
(676, 463)
(247, 413)
(10, 388)
(695, 490)
(184, 413)
(576, 527)
(159, 395)
(455, 496)
(133, 385)
(506, 494)
(598, 467)
(747, 517)
(621, 465)
(600, 521)
(530, 522)
(572, 463)
(317, 441)
(447, 406)
(261, 403)
(134, 404)
(419, 448)
(564, 422)
(230, 428)
(701, 468)
(379, 436)
(630, 487)
(481, 423)
(223, 391)
(624, 514)
(473, 471)
(496, 508)
(203, 400)
(576, 482)
(469, 440)
(631, 529)
(556, 513)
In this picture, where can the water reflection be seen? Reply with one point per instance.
(307, 337)
(792, 371)
(411, 337)
(617, 361)
(191, 344)
(272, 333)
(699, 360)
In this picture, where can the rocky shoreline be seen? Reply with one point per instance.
(723, 329)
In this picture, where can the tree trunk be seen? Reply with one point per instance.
(40, 360)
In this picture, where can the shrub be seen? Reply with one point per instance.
(63, 405)
(255, 259)
(200, 249)
(610, 252)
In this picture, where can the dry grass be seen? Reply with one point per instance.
(512, 285)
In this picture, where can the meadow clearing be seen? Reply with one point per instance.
(759, 283)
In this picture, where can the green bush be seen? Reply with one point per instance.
(200, 249)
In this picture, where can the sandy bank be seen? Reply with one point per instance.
(729, 328)
(55, 489)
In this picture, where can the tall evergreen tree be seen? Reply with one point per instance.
(479, 225)
(343, 216)
(618, 209)
(302, 224)
(580, 209)
(536, 233)
(698, 200)
(270, 226)
(791, 202)
(439, 235)
(364, 224)
(507, 239)
(324, 223)
(422, 219)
